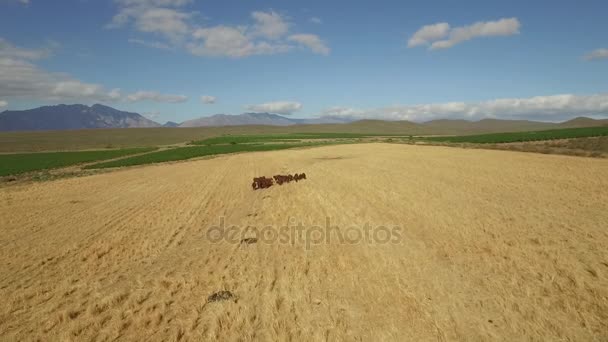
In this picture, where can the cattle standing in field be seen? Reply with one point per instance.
(263, 182)
(280, 179)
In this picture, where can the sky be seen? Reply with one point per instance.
(175, 60)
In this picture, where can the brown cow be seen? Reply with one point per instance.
(263, 182)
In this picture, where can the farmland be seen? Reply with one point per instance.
(183, 153)
(25, 162)
(567, 133)
(491, 245)
(587, 141)
(287, 137)
(125, 253)
(88, 139)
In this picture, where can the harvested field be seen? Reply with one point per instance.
(492, 245)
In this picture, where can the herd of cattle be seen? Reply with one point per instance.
(263, 182)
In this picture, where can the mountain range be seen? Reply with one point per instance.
(78, 116)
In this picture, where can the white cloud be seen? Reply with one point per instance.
(154, 16)
(168, 22)
(156, 97)
(547, 108)
(11, 51)
(316, 20)
(428, 34)
(75, 88)
(279, 107)
(115, 94)
(208, 99)
(269, 25)
(152, 115)
(597, 54)
(267, 34)
(3, 103)
(153, 3)
(21, 78)
(232, 42)
(311, 41)
(431, 34)
(344, 112)
(150, 44)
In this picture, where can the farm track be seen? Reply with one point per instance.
(494, 245)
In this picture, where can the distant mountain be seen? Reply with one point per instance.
(444, 126)
(245, 119)
(582, 121)
(170, 124)
(77, 116)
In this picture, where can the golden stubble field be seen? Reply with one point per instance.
(493, 245)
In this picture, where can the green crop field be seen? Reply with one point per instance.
(567, 133)
(97, 139)
(89, 139)
(262, 138)
(12, 164)
(183, 153)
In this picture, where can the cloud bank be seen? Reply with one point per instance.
(597, 54)
(428, 34)
(279, 107)
(20, 77)
(442, 36)
(208, 99)
(156, 97)
(169, 20)
(545, 108)
(310, 41)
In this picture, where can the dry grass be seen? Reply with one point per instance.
(496, 245)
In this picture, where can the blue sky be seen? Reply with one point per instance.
(407, 60)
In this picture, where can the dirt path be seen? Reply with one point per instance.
(492, 245)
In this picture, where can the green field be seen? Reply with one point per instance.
(97, 139)
(265, 138)
(89, 139)
(494, 138)
(12, 164)
(183, 153)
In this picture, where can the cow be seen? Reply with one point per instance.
(263, 182)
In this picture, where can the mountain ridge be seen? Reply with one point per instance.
(70, 117)
(79, 116)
